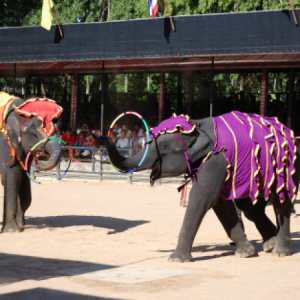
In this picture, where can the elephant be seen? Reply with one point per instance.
(23, 124)
(247, 158)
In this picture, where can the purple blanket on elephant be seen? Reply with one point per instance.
(260, 152)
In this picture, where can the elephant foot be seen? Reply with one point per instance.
(269, 244)
(281, 250)
(11, 227)
(245, 249)
(20, 220)
(177, 256)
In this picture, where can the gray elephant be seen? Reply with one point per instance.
(238, 156)
(23, 125)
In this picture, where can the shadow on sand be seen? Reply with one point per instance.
(15, 268)
(42, 293)
(116, 225)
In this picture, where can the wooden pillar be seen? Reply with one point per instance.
(179, 94)
(15, 77)
(191, 92)
(103, 94)
(74, 99)
(212, 76)
(161, 103)
(291, 97)
(27, 86)
(39, 85)
(264, 92)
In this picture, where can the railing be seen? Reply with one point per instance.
(97, 159)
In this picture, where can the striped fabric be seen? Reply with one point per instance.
(153, 7)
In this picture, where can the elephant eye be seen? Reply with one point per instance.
(163, 146)
(33, 126)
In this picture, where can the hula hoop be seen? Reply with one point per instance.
(34, 147)
(148, 138)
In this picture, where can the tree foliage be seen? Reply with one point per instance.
(24, 12)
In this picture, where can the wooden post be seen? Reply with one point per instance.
(103, 89)
(161, 104)
(39, 84)
(191, 91)
(74, 98)
(264, 92)
(212, 76)
(291, 97)
(27, 86)
(15, 77)
(179, 94)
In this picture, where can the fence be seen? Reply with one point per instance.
(96, 163)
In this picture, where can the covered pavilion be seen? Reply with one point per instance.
(261, 41)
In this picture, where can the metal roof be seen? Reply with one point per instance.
(237, 41)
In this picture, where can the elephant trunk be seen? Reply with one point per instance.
(52, 148)
(122, 163)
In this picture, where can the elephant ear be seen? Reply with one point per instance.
(199, 146)
(43, 109)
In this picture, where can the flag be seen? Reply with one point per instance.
(47, 14)
(153, 7)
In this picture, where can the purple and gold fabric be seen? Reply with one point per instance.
(260, 153)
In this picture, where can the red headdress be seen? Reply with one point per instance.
(44, 110)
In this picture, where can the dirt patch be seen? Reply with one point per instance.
(111, 240)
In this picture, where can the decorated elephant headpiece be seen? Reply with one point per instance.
(43, 109)
(176, 123)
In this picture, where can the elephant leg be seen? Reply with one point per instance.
(24, 199)
(11, 183)
(203, 195)
(256, 213)
(227, 214)
(282, 211)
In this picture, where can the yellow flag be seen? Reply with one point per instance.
(47, 14)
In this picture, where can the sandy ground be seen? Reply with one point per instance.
(81, 238)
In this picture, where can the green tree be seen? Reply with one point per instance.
(13, 12)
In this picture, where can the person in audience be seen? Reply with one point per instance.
(91, 142)
(117, 130)
(78, 128)
(96, 130)
(79, 143)
(141, 140)
(89, 131)
(138, 129)
(134, 141)
(113, 137)
(123, 141)
(128, 132)
(68, 137)
(58, 133)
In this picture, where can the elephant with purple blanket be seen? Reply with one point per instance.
(246, 157)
